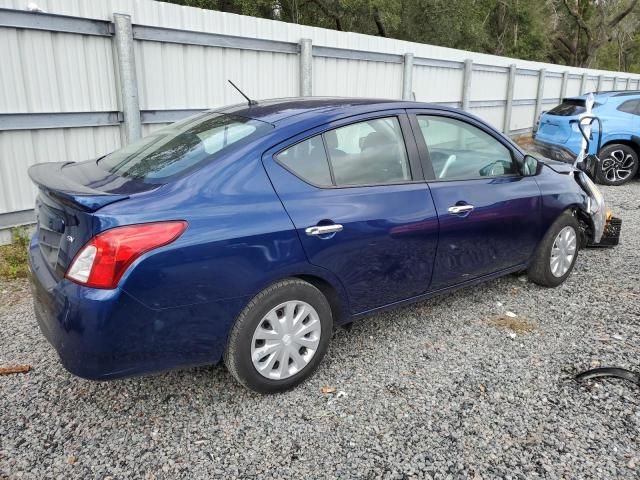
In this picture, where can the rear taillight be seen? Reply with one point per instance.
(103, 260)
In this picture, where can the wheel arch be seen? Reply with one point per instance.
(584, 220)
(337, 300)
(329, 285)
(586, 224)
(633, 142)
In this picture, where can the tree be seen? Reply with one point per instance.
(593, 24)
(585, 33)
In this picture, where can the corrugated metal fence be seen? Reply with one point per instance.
(69, 90)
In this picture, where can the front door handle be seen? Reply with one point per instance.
(323, 229)
(458, 209)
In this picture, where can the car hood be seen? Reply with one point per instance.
(557, 166)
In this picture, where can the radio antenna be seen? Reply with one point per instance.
(251, 102)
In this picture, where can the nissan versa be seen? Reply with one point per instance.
(245, 234)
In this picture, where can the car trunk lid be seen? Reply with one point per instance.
(68, 197)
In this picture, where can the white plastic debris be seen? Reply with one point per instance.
(510, 314)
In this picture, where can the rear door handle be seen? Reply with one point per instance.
(323, 229)
(458, 209)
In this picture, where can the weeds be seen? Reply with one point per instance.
(518, 325)
(13, 257)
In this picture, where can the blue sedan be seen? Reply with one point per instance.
(247, 233)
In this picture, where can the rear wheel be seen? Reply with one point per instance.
(280, 337)
(618, 164)
(556, 254)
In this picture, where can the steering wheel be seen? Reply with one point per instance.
(450, 161)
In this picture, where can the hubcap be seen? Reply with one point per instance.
(285, 340)
(563, 251)
(617, 166)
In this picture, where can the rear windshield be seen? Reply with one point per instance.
(569, 108)
(183, 146)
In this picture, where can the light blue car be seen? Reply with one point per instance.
(558, 136)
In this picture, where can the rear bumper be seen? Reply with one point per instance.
(104, 334)
(554, 151)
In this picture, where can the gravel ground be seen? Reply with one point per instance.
(441, 389)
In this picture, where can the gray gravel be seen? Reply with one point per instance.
(437, 389)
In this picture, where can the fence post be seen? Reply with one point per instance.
(600, 82)
(407, 76)
(306, 61)
(583, 83)
(539, 96)
(511, 81)
(563, 87)
(128, 83)
(466, 83)
(628, 85)
(615, 83)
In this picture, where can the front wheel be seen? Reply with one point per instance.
(556, 254)
(618, 164)
(280, 337)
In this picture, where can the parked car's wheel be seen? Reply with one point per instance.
(618, 164)
(280, 337)
(556, 254)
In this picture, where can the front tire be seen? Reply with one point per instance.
(556, 254)
(618, 164)
(280, 337)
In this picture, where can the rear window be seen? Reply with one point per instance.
(569, 108)
(183, 146)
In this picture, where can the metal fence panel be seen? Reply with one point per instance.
(437, 84)
(22, 148)
(56, 78)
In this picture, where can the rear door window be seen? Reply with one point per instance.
(365, 153)
(368, 153)
(183, 146)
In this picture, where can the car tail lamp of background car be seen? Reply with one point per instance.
(104, 259)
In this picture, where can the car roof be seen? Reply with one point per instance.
(603, 96)
(277, 110)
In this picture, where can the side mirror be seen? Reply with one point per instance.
(530, 166)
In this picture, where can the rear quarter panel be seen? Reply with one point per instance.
(239, 238)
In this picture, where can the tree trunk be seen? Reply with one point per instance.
(376, 18)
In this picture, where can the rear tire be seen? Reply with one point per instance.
(618, 164)
(557, 252)
(280, 337)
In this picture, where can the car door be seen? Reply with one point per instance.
(490, 215)
(624, 120)
(355, 192)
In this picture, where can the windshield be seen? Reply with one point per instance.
(182, 146)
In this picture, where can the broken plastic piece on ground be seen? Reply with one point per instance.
(610, 372)
(14, 369)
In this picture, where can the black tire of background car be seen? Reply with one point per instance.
(237, 355)
(622, 373)
(540, 268)
(605, 153)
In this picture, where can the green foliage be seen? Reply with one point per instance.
(13, 257)
(573, 32)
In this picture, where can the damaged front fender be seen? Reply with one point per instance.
(595, 207)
